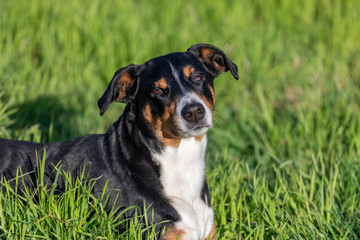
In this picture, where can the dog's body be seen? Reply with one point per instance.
(155, 153)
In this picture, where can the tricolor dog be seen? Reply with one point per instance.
(154, 154)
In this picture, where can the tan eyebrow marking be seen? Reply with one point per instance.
(161, 83)
(188, 70)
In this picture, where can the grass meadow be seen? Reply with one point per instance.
(283, 157)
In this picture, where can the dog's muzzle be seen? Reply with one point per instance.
(195, 116)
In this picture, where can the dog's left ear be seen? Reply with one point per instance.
(214, 59)
(122, 88)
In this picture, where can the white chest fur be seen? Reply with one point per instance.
(182, 174)
(183, 169)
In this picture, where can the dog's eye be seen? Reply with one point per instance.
(197, 78)
(158, 91)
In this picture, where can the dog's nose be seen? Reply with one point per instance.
(193, 112)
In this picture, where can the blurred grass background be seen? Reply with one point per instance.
(283, 156)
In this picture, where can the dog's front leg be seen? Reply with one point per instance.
(205, 216)
(212, 234)
(188, 227)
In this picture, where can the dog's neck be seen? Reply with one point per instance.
(182, 169)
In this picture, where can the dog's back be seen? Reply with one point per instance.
(22, 158)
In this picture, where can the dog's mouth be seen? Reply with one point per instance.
(200, 126)
(197, 130)
(193, 131)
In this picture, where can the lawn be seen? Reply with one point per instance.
(283, 157)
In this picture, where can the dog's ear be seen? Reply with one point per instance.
(214, 59)
(122, 88)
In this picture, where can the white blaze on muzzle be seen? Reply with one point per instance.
(193, 128)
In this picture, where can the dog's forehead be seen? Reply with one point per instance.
(169, 67)
(176, 59)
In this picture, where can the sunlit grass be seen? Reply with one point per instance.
(39, 212)
(283, 156)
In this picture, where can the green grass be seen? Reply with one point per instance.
(73, 214)
(283, 157)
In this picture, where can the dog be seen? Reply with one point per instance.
(154, 154)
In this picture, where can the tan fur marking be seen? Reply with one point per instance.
(208, 55)
(210, 106)
(188, 70)
(172, 142)
(161, 83)
(200, 137)
(218, 67)
(173, 233)
(213, 94)
(163, 126)
(167, 130)
(212, 234)
(147, 113)
(123, 83)
(164, 136)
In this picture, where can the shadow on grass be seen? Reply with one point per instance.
(52, 116)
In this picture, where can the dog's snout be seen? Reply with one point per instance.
(193, 112)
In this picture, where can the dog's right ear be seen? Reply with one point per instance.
(214, 59)
(122, 88)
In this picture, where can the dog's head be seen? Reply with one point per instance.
(172, 95)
